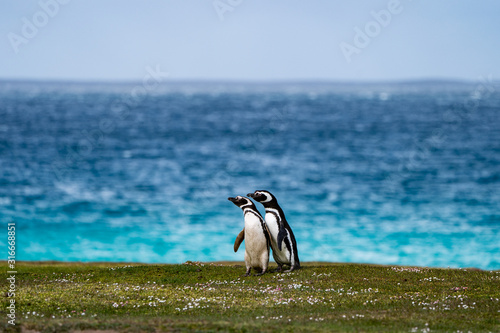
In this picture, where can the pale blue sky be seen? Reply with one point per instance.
(256, 40)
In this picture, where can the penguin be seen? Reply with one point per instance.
(255, 234)
(280, 231)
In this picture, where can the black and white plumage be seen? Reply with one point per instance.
(280, 231)
(255, 234)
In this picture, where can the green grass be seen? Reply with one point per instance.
(55, 297)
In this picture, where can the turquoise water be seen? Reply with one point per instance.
(403, 174)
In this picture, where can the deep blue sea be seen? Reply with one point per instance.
(386, 173)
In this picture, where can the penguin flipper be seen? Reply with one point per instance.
(281, 237)
(239, 240)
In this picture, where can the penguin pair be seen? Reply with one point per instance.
(259, 234)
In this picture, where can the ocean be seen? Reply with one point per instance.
(401, 173)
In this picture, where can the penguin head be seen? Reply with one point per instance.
(263, 197)
(240, 201)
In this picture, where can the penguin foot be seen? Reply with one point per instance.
(292, 268)
(278, 270)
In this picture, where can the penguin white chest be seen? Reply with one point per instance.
(255, 238)
(272, 225)
(282, 256)
(252, 225)
(256, 247)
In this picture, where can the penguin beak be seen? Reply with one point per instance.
(250, 195)
(231, 199)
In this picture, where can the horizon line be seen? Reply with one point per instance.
(249, 81)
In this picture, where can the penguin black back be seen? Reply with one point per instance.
(284, 232)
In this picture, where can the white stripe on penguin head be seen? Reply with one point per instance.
(248, 203)
(268, 196)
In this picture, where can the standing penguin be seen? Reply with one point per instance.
(256, 235)
(279, 230)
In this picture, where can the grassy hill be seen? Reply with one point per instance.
(321, 297)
